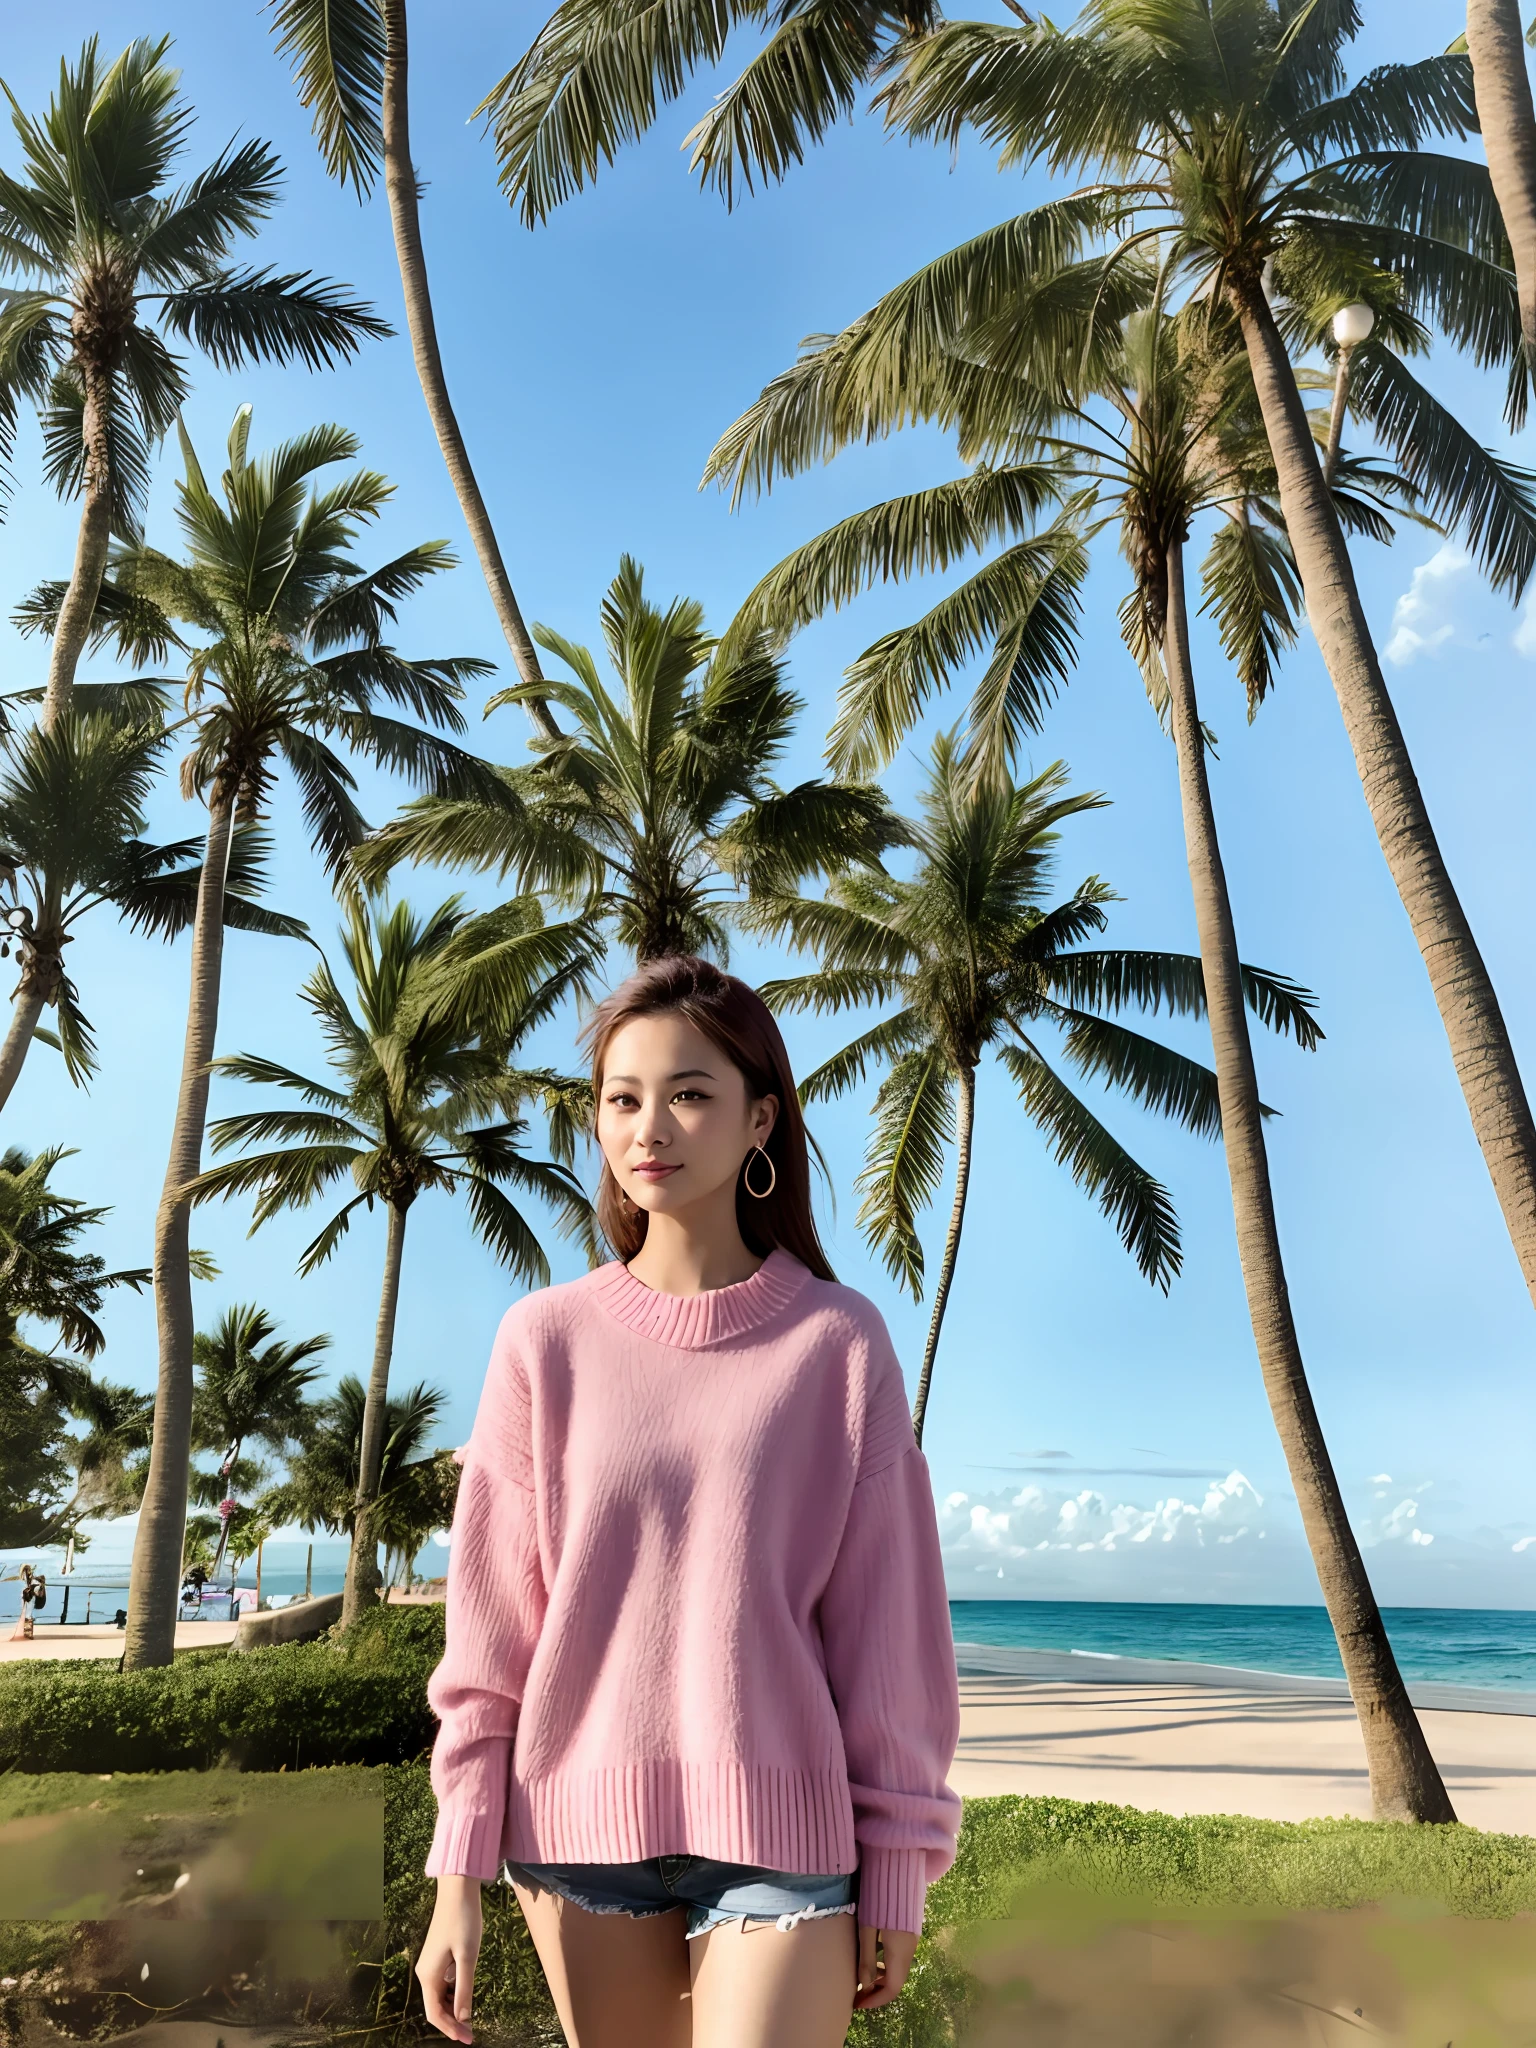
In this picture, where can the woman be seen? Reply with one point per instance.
(699, 1696)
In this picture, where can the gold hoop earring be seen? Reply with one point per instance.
(759, 1194)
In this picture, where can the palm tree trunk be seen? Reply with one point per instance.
(1405, 1784)
(1505, 115)
(28, 1008)
(91, 545)
(362, 1562)
(155, 1572)
(1336, 416)
(964, 1123)
(404, 212)
(1464, 994)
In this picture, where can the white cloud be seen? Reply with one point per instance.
(1425, 617)
(1045, 1541)
(1449, 609)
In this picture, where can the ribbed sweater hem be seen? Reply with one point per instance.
(732, 1813)
(787, 1819)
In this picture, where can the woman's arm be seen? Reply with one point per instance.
(495, 1610)
(891, 1666)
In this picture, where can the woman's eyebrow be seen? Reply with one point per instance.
(684, 1074)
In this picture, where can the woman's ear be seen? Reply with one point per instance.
(765, 1114)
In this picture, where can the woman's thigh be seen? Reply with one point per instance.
(756, 1985)
(617, 1981)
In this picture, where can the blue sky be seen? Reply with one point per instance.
(593, 364)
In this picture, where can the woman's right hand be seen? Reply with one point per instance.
(446, 1965)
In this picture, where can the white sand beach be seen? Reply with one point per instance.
(1181, 1741)
(1197, 1748)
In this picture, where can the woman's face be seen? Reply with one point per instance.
(674, 1117)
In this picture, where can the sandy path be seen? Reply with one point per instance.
(1196, 1749)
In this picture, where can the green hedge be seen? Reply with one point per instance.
(353, 1698)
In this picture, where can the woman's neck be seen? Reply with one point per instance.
(683, 1255)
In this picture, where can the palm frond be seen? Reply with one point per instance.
(261, 315)
(1133, 1199)
(1024, 606)
(337, 50)
(914, 1117)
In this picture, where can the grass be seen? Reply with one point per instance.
(1012, 1852)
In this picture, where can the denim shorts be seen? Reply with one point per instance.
(714, 1893)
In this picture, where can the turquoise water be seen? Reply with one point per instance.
(1449, 1646)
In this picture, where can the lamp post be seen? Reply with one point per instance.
(1351, 326)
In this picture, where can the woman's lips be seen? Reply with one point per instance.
(658, 1171)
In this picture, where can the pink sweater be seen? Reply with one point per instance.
(695, 1600)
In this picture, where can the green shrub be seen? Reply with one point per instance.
(353, 1698)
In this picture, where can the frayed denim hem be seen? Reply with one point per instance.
(783, 1921)
(540, 1884)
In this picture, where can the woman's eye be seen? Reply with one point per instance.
(690, 1095)
(621, 1102)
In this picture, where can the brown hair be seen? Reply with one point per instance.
(734, 1017)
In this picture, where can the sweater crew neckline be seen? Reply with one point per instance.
(691, 1321)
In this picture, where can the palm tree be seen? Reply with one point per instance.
(416, 1487)
(110, 262)
(292, 657)
(110, 1459)
(426, 1099)
(1228, 127)
(351, 60)
(1226, 123)
(252, 1387)
(658, 805)
(44, 1278)
(71, 839)
(1507, 118)
(1163, 425)
(968, 950)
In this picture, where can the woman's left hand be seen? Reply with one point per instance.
(880, 1982)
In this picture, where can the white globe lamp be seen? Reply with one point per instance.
(1352, 325)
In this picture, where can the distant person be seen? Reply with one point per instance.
(699, 1699)
(34, 1593)
(192, 1587)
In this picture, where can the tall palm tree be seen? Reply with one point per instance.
(977, 960)
(416, 1486)
(425, 1098)
(291, 658)
(1161, 425)
(72, 802)
(1230, 127)
(1226, 121)
(1507, 118)
(110, 264)
(252, 1387)
(351, 59)
(658, 805)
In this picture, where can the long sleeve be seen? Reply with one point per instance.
(891, 1666)
(495, 1609)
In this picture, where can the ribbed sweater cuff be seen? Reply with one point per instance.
(893, 1887)
(466, 1845)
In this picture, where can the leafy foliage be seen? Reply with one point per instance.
(975, 962)
(658, 802)
(427, 1096)
(45, 1278)
(72, 817)
(100, 246)
(287, 659)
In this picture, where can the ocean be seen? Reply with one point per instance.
(1441, 1645)
(1447, 1645)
